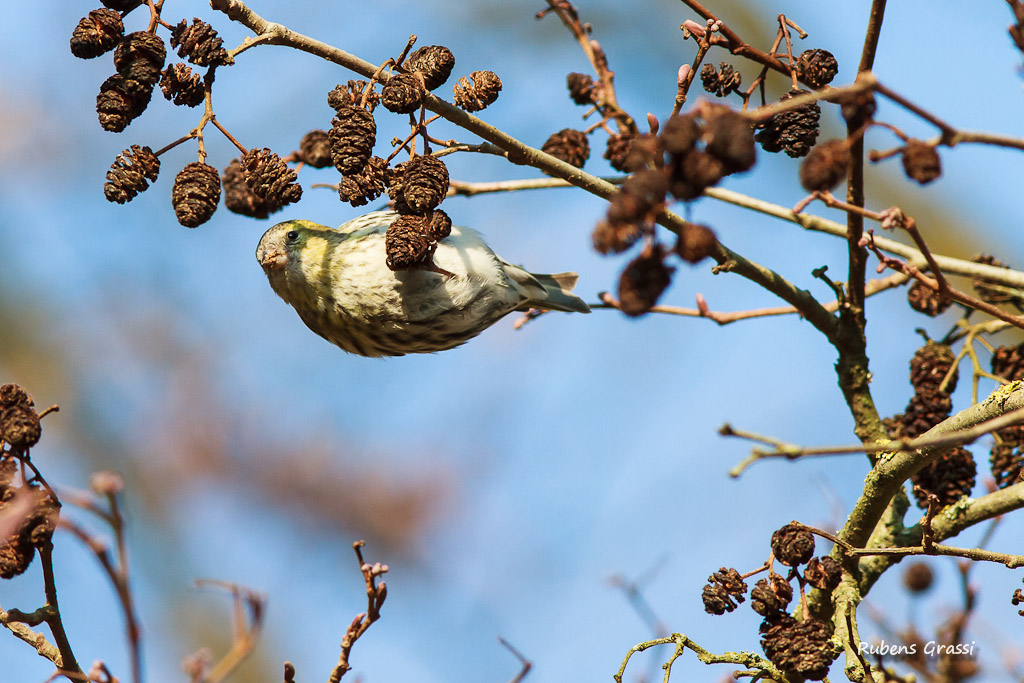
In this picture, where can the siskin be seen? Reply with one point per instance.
(339, 284)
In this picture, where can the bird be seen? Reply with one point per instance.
(339, 283)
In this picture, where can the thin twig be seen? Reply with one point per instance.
(375, 596)
(248, 610)
(790, 451)
(703, 39)
(747, 659)
(950, 292)
(976, 554)
(523, 661)
(118, 576)
(929, 548)
(954, 266)
(37, 640)
(606, 100)
(737, 45)
(727, 317)
(68, 663)
(633, 590)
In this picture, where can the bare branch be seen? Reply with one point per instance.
(375, 596)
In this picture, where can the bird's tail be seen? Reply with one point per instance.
(553, 292)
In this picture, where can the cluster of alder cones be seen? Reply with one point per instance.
(697, 149)
(260, 182)
(37, 509)
(799, 648)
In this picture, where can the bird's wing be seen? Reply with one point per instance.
(553, 292)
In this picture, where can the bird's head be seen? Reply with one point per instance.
(292, 255)
(283, 244)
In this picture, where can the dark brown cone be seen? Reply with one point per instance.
(96, 34)
(680, 133)
(921, 162)
(130, 174)
(894, 425)
(15, 557)
(730, 579)
(617, 151)
(918, 577)
(643, 281)
(581, 88)
(924, 299)
(709, 78)
(406, 245)
(991, 292)
(778, 619)
(569, 145)
(823, 573)
(825, 166)
(42, 522)
(139, 58)
(693, 173)
(195, 194)
(117, 106)
(1007, 455)
(15, 401)
(950, 478)
(269, 177)
(644, 152)
(724, 591)
(424, 183)
(403, 93)
(696, 242)
(640, 195)
(8, 471)
(771, 596)
(930, 365)
(731, 141)
(630, 209)
(615, 237)
(395, 186)
(122, 5)
(793, 545)
(720, 84)
(181, 86)
(816, 68)
(800, 648)
(199, 43)
(352, 95)
(315, 149)
(700, 170)
(365, 186)
(793, 131)
(14, 395)
(440, 225)
(238, 198)
(1008, 362)
(716, 599)
(927, 408)
(434, 62)
(36, 530)
(352, 135)
(19, 427)
(479, 94)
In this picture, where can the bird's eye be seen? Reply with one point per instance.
(292, 235)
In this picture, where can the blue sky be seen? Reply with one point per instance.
(571, 450)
